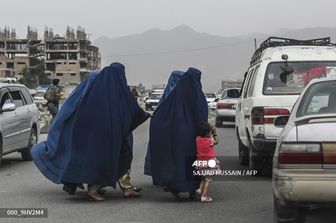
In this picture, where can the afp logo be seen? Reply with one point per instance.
(204, 163)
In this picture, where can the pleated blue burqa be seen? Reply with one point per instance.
(90, 140)
(173, 131)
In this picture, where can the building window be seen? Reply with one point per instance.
(59, 74)
(59, 62)
(73, 74)
(72, 62)
(20, 63)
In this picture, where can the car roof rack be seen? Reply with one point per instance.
(279, 41)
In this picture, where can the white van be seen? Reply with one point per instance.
(278, 72)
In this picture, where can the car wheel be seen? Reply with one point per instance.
(219, 122)
(243, 153)
(287, 214)
(255, 162)
(26, 152)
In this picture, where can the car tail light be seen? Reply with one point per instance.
(293, 153)
(329, 153)
(258, 115)
(224, 106)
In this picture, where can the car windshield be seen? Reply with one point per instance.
(155, 96)
(231, 93)
(320, 98)
(39, 94)
(42, 87)
(210, 95)
(291, 78)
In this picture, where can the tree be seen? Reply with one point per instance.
(35, 75)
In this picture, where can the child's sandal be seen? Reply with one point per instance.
(206, 199)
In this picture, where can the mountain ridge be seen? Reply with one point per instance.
(152, 55)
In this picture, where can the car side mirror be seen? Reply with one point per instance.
(216, 100)
(8, 107)
(281, 121)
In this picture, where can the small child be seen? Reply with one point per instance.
(205, 142)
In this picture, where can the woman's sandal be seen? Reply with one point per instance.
(206, 199)
(131, 194)
(95, 196)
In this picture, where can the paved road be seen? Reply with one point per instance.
(244, 200)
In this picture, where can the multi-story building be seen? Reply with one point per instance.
(18, 54)
(70, 58)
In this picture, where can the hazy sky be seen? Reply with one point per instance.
(115, 18)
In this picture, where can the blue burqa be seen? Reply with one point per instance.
(174, 78)
(90, 140)
(173, 132)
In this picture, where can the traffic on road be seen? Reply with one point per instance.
(272, 142)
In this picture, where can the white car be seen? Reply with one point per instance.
(38, 97)
(211, 100)
(153, 99)
(304, 164)
(279, 71)
(226, 106)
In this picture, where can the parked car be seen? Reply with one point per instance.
(19, 127)
(213, 104)
(279, 71)
(153, 99)
(226, 106)
(39, 97)
(42, 87)
(211, 99)
(304, 164)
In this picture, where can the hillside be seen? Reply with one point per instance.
(151, 56)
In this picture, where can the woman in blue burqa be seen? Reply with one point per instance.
(174, 78)
(90, 141)
(173, 131)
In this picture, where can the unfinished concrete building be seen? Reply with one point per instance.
(69, 58)
(17, 54)
(72, 57)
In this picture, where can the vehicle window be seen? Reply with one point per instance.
(17, 99)
(242, 86)
(210, 95)
(282, 79)
(320, 98)
(155, 96)
(5, 99)
(224, 95)
(247, 83)
(27, 96)
(231, 93)
(39, 94)
(253, 80)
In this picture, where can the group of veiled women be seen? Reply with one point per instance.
(90, 141)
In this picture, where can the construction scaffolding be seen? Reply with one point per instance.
(69, 58)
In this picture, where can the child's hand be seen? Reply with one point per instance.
(214, 134)
(213, 131)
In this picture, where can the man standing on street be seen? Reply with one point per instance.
(53, 95)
